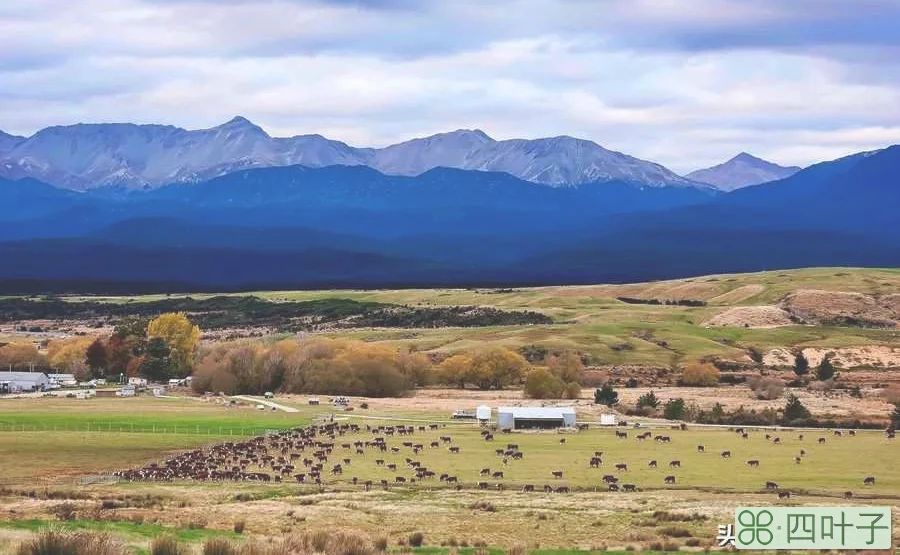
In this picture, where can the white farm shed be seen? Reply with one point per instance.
(483, 413)
(535, 417)
(24, 381)
(608, 420)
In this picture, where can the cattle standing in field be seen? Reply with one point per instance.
(802, 452)
(622, 435)
(701, 449)
(675, 464)
(621, 466)
(557, 473)
(613, 487)
(852, 432)
(800, 437)
(821, 440)
(497, 474)
(562, 441)
(527, 487)
(771, 485)
(869, 481)
(454, 449)
(610, 479)
(484, 472)
(745, 435)
(753, 464)
(797, 460)
(651, 464)
(670, 479)
(784, 495)
(726, 454)
(548, 488)
(595, 462)
(598, 454)
(776, 440)
(848, 495)
(628, 487)
(838, 433)
(482, 485)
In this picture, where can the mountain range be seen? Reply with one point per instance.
(354, 226)
(742, 171)
(86, 156)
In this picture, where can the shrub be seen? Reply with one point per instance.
(648, 400)
(542, 384)
(167, 545)
(239, 526)
(381, 544)
(700, 375)
(675, 532)
(573, 391)
(766, 388)
(486, 506)
(64, 511)
(674, 409)
(631, 383)
(415, 539)
(54, 542)
(219, 546)
(606, 395)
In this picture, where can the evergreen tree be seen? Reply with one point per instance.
(794, 409)
(825, 370)
(674, 409)
(606, 395)
(157, 363)
(801, 365)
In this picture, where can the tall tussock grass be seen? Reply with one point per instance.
(57, 542)
(316, 542)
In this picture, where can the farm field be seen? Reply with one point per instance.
(707, 487)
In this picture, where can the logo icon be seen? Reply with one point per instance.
(755, 527)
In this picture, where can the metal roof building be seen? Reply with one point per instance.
(13, 382)
(535, 417)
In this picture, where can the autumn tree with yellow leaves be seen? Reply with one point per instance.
(180, 336)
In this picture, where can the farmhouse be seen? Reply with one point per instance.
(14, 382)
(535, 417)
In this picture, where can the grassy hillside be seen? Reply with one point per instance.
(591, 319)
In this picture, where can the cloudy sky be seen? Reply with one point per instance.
(683, 83)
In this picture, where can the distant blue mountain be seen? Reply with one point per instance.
(353, 226)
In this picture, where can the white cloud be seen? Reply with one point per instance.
(371, 76)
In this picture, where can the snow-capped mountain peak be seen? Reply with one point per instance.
(85, 156)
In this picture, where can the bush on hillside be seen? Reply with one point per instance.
(700, 375)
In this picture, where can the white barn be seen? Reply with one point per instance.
(536, 417)
(14, 382)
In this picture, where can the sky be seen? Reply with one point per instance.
(687, 84)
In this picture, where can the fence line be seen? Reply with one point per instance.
(109, 427)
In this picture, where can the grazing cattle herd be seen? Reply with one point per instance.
(319, 453)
